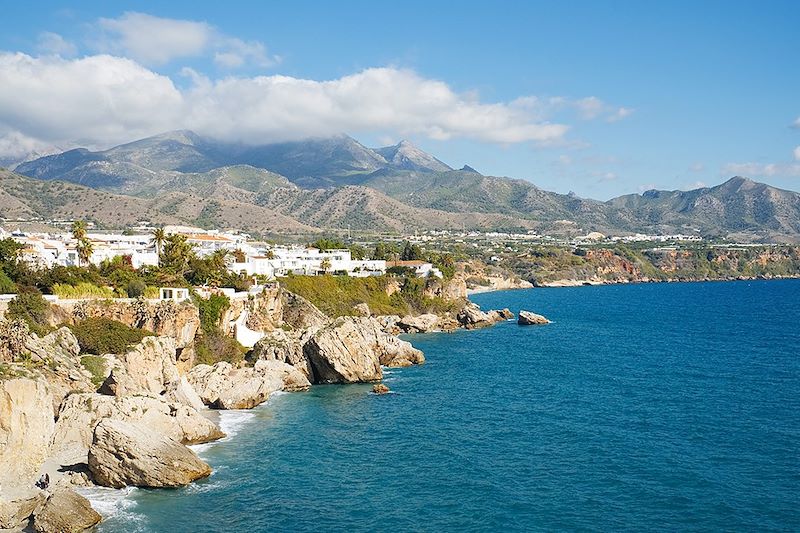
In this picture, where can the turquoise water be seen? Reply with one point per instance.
(665, 406)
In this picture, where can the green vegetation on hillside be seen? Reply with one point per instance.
(212, 345)
(337, 295)
(100, 336)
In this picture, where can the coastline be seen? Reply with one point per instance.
(595, 282)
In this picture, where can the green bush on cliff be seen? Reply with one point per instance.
(337, 295)
(30, 306)
(6, 285)
(102, 335)
(212, 345)
(96, 366)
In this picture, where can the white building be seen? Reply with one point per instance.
(282, 261)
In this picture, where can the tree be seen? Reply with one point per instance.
(239, 256)
(325, 264)
(411, 252)
(159, 237)
(85, 249)
(176, 254)
(79, 230)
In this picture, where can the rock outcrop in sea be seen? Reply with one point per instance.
(526, 318)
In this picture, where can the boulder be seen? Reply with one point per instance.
(181, 392)
(471, 317)
(16, 510)
(82, 412)
(299, 313)
(418, 324)
(526, 318)
(352, 349)
(58, 355)
(223, 387)
(126, 454)
(361, 309)
(380, 388)
(26, 427)
(293, 380)
(146, 368)
(65, 511)
(389, 324)
(283, 346)
(506, 314)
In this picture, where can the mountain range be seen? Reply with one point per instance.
(336, 183)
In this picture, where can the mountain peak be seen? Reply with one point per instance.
(467, 168)
(404, 155)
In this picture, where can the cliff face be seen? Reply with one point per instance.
(562, 266)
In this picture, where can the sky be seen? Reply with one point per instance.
(598, 98)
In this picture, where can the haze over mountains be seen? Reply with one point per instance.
(337, 182)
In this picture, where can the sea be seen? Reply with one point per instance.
(670, 407)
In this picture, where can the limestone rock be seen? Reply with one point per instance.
(125, 454)
(26, 427)
(506, 314)
(14, 512)
(293, 379)
(389, 324)
(361, 309)
(284, 346)
(181, 392)
(526, 318)
(223, 387)
(418, 324)
(471, 317)
(352, 349)
(299, 313)
(380, 388)
(82, 412)
(146, 368)
(65, 511)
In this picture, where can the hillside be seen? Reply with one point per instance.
(26, 198)
(337, 182)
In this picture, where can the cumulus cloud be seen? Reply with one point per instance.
(796, 123)
(104, 100)
(797, 154)
(156, 41)
(55, 44)
(90, 100)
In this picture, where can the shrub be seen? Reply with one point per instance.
(136, 288)
(6, 285)
(103, 335)
(82, 289)
(30, 306)
(211, 310)
(214, 347)
(96, 365)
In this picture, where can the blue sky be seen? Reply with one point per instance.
(597, 98)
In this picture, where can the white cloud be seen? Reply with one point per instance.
(796, 123)
(154, 40)
(591, 108)
(95, 99)
(751, 169)
(102, 100)
(53, 43)
(234, 53)
(697, 167)
(755, 170)
(697, 185)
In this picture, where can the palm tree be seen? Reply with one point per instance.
(325, 265)
(85, 248)
(78, 230)
(159, 237)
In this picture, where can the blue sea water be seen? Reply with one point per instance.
(641, 407)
